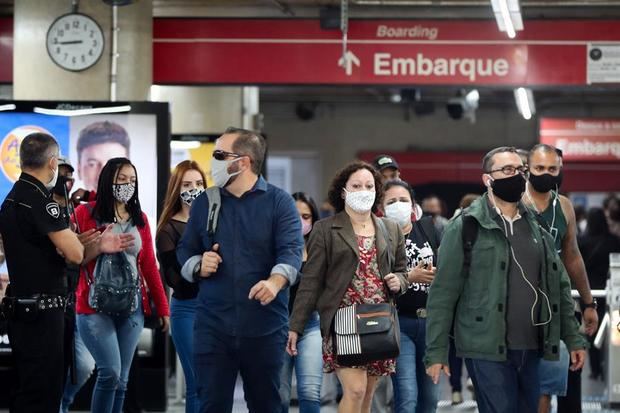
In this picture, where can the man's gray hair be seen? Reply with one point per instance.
(487, 161)
(36, 150)
(250, 144)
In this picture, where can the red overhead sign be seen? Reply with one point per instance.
(400, 52)
(6, 50)
(583, 139)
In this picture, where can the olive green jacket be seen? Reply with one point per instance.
(476, 302)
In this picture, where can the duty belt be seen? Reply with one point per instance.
(44, 302)
(50, 302)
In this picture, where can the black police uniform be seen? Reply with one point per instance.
(38, 287)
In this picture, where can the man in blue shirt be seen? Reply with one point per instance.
(241, 318)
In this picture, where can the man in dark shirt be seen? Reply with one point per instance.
(241, 317)
(36, 238)
(544, 199)
(511, 304)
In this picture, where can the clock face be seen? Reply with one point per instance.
(75, 42)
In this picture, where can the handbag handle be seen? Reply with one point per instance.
(391, 258)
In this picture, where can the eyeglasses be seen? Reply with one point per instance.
(222, 155)
(510, 170)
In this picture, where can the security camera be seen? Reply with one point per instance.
(464, 105)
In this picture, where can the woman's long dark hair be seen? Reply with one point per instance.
(106, 203)
(307, 199)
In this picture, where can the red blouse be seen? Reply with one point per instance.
(147, 268)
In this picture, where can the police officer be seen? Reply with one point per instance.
(37, 242)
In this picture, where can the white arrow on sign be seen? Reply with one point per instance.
(347, 61)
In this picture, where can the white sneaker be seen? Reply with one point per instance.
(457, 398)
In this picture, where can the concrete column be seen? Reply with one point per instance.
(36, 77)
(209, 109)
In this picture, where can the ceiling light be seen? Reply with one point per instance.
(524, 99)
(508, 16)
(82, 112)
(184, 144)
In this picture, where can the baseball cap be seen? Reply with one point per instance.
(384, 161)
(64, 162)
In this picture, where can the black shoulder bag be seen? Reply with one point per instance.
(367, 332)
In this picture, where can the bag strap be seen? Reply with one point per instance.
(390, 253)
(430, 229)
(215, 203)
(386, 237)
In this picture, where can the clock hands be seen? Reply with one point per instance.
(72, 42)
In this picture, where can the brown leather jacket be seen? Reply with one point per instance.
(333, 258)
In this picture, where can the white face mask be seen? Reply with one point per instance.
(219, 172)
(399, 212)
(360, 201)
(51, 184)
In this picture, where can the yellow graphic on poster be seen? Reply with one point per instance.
(9, 150)
(203, 156)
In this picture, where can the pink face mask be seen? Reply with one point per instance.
(306, 227)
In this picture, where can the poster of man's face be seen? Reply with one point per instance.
(98, 138)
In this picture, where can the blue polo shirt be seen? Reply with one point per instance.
(258, 234)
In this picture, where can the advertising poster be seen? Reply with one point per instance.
(88, 141)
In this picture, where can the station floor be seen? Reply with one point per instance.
(593, 396)
(593, 399)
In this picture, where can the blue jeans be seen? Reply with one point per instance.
(554, 374)
(219, 357)
(112, 341)
(182, 314)
(84, 366)
(510, 386)
(308, 370)
(414, 390)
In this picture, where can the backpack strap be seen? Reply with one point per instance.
(430, 233)
(215, 203)
(469, 234)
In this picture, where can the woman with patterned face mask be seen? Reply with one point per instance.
(112, 339)
(186, 183)
(348, 263)
(414, 391)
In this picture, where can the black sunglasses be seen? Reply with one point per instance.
(222, 155)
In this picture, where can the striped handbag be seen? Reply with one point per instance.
(365, 333)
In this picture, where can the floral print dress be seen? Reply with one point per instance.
(367, 287)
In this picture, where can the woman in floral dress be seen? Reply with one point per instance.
(348, 264)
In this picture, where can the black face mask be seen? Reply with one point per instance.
(509, 189)
(546, 182)
(61, 186)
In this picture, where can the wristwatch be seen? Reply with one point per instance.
(593, 305)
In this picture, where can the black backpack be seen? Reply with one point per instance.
(113, 287)
(470, 233)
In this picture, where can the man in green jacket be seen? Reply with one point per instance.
(511, 305)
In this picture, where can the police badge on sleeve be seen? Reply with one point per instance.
(53, 209)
